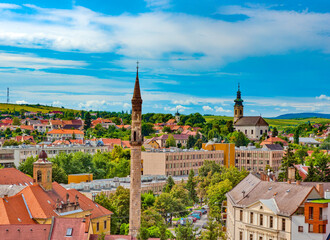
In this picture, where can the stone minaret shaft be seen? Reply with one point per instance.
(136, 143)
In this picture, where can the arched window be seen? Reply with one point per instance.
(39, 176)
(134, 136)
(235, 112)
(240, 111)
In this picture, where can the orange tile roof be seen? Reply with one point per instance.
(10, 176)
(24, 138)
(42, 203)
(14, 211)
(26, 127)
(65, 131)
(171, 121)
(56, 122)
(272, 140)
(101, 120)
(123, 126)
(78, 225)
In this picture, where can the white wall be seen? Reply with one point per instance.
(305, 235)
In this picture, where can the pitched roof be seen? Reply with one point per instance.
(56, 122)
(24, 231)
(273, 147)
(24, 138)
(176, 137)
(288, 197)
(251, 121)
(14, 211)
(65, 131)
(272, 140)
(10, 176)
(61, 225)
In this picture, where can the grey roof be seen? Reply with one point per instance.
(273, 146)
(271, 204)
(251, 121)
(288, 197)
(306, 140)
(10, 190)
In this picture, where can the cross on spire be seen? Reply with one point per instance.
(137, 65)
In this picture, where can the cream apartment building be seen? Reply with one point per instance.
(177, 162)
(256, 159)
(261, 210)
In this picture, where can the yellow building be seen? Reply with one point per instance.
(227, 148)
(81, 177)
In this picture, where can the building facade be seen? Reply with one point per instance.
(257, 159)
(177, 162)
(261, 210)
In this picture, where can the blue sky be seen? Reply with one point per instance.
(82, 54)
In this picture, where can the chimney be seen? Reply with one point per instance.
(320, 189)
(292, 173)
(298, 182)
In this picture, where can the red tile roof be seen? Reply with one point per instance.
(123, 126)
(24, 231)
(65, 131)
(272, 140)
(61, 225)
(56, 122)
(26, 127)
(24, 138)
(10, 176)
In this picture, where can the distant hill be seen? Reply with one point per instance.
(302, 115)
(29, 107)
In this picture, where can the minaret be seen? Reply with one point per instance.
(238, 107)
(42, 171)
(136, 143)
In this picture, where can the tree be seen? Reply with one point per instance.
(165, 204)
(88, 121)
(169, 184)
(319, 167)
(147, 200)
(27, 166)
(166, 129)
(16, 121)
(170, 142)
(10, 143)
(58, 174)
(147, 129)
(187, 232)
(191, 142)
(199, 144)
(191, 186)
(216, 194)
(296, 136)
(274, 132)
(208, 166)
(288, 161)
(213, 231)
(311, 175)
(230, 126)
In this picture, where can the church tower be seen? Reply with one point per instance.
(42, 172)
(177, 116)
(238, 107)
(136, 143)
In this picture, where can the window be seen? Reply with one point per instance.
(97, 226)
(271, 222)
(251, 236)
(240, 111)
(105, 224)
(245, 131)
(300, 229)
(260, 132)
(39, 176)
(320, 213)
(311, 210)
(322, 229)
(251, 217)
(251, 131)
(283, 224)
(260, 238)
(69, 232)
(240, 235)
(310, 227)
(241, 215)
(261, 219)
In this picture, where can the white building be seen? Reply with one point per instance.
(261, 210)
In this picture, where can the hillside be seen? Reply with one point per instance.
(278, 123)
(303, 115)
(29, 107)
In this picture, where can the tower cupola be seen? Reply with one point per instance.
(42, 171)
(238, 107)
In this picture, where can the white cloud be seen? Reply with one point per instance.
(207, 108)
(9, 6)
(33, 61)
(127, 105)
(150, 36)
(282, 109)
(57, 103)
(220, 109)
(21, 102)
(174, 109)
(323, 97)
(92, 104)
(252, 110)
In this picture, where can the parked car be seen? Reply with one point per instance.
(196, 216)
(198, 212)
(192, 218)
(201, 211)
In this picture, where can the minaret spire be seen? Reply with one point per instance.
(136, 143)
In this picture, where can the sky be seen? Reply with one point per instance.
(82, 54)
